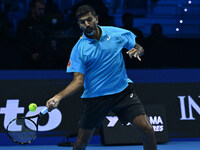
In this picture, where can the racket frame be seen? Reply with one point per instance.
(29, 118)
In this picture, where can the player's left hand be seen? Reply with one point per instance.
(134, 52)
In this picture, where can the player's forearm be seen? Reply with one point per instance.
(72, 88)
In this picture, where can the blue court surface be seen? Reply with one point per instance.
(180, 145)
(172, 145)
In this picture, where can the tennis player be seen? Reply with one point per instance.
(97, 63)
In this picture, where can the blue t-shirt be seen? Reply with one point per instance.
(101, 61)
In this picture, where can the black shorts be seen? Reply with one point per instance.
(125, 105)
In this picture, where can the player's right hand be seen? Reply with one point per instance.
(53, 103)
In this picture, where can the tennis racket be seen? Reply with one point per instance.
(28, 128)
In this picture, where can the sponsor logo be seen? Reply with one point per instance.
(131, 95)
(69, 64)
(156, 122)
(12, 109)
(108, 38)
(187, 104)
(112, 121)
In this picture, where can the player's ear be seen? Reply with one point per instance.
(78, 23)
(97, 18)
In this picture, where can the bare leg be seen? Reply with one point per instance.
(149, 140)
(83, 139)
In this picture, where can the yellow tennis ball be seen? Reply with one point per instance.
(32, 107)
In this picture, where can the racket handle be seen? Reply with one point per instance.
(44, 111)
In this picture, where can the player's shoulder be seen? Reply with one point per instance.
(116, 30)
(79, 43)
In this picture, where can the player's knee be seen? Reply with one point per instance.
(148, 129)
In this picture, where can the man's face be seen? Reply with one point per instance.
(38, 10)
(88, 24)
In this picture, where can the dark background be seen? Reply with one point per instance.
(172, 49)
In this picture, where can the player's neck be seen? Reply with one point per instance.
(98, 33)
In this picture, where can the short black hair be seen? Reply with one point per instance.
(85, 9)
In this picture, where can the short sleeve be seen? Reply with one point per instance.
(75, 63)
(129, 40)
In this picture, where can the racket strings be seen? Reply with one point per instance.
(22, 130)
